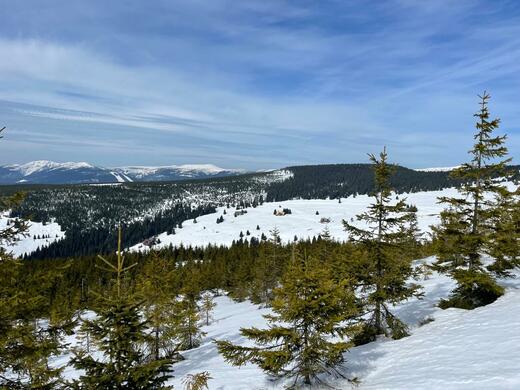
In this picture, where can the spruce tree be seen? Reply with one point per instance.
(465, 228)
(197, 381)
(267, 269)
(187, 318)
(309, 307)
(188, 332)
(384, 267)
(207, 306)
(118, 332)
(156, 287)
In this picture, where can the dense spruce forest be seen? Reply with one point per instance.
(342, 180)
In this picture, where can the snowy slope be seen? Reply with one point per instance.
(303, 222)
(476, 349)
(459, 350)
(28, 244)
(188, 169)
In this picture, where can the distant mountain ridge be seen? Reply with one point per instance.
(50, 172)
(437, 169)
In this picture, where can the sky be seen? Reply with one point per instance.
(254, 84)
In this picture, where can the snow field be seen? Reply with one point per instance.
(28, 244)
(303, 222)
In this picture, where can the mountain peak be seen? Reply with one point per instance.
(40, 165)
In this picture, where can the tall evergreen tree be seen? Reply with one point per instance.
(385, 232)
(465, 231)
(309, 307)
(187, 318)
(118, 332)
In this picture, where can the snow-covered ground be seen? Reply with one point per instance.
(457, 349)
(303, 222)
(460, 349)
(26, 244)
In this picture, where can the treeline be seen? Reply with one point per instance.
(88, 207)
(343, 180)
(241, 270)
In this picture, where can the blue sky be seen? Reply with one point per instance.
(254, 84)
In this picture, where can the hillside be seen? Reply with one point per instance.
(89, 213)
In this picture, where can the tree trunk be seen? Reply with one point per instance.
(379, 270)
(156, 343)
(307, 377)
(473, 257)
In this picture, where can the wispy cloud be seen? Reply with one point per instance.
(254, 84)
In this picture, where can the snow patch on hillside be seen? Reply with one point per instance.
(118, 177)
(48, 233)
(303, 222)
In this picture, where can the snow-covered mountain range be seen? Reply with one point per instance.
(437, 169)
(50, 172)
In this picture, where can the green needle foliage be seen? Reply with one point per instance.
(467, 224)
(387, 234)
(504, 243)
(268, 268)
(28, 336)
(156, 286)
(309, 308)
(189, 333)
(118, 331)
(207, 305)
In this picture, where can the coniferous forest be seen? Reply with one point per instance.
(134, 315)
